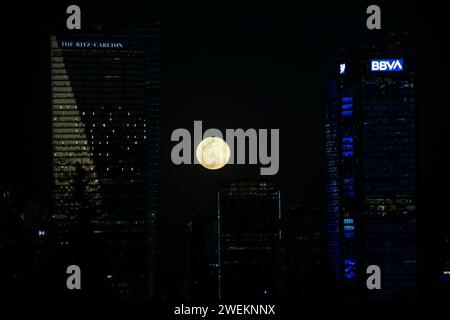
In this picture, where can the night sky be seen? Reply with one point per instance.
(232, 66)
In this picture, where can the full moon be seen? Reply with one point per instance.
(213, 153)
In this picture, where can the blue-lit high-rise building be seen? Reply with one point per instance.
(371, 175)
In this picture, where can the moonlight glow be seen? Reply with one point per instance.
(213, 153)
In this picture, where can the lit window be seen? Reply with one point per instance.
(347, 106)
(347, 154)
(349, 234)
(347, 113)
(347, 147)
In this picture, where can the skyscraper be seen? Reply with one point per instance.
(105, 125)
(371, 175)
(303, 251)
(202, 259)
(249, 239)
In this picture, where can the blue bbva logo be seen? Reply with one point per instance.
(386, 65)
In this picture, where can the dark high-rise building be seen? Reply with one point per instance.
(105, 108)
(21, 254)
(202, 259)
(249, 239)
(370, 159)
(302, 243)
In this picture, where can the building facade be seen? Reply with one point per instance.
(249, 237)
(371, 172)
(202, 259)
(105, 126)
(303, 251)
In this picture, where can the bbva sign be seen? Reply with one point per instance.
(386, 65)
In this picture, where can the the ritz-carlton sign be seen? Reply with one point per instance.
(91, 44)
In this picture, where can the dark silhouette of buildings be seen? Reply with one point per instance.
(371, 171)
(249, 215)
(12, 242)
(105, 126)
(443, 284)
(23, 245)
(202, 259)
(302, 246)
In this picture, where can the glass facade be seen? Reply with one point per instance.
(371, 176)
(249, 237)
(105, 126)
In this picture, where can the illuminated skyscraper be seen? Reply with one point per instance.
(105, 108)
(371, 186)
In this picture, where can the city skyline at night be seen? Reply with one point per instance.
(332, 162)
